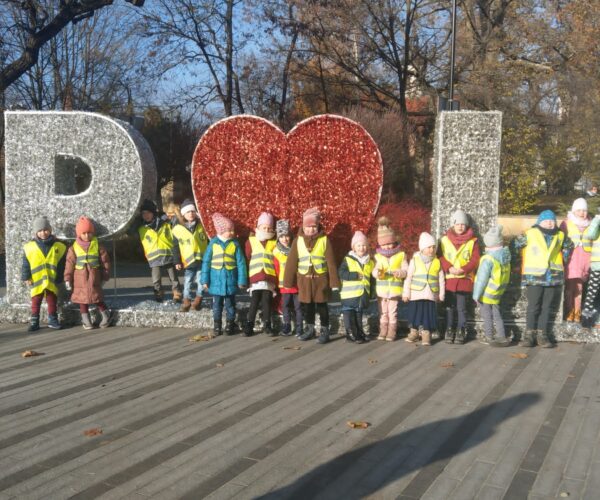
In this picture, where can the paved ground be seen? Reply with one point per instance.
(248, 418)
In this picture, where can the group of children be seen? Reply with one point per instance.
(297, 274)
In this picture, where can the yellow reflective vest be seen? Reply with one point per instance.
(577, 236)
(423, 276)
(316, 257)
(596, 250)
(387, 285)
(282, 258)
(90, 258)
(222, 258)
(457, 257)
(261, 258)
(499, 278)
(157, 244)
(191, 245)
(538, 257)
(44, 267)
(356, 288)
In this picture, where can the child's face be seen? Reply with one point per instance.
(147, 216)
(309, 230)
(387, 246)
(44, 234)
(227, 235)
(360, 249)
(459, 228)
(190, 216)
(285, 240)
(429, 251)
(548, 224)
(582, 214)
(265, 228)
(86, 236)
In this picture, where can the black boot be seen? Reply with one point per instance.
(308, 333)
(449, 336)
(218, 328)
(248, 328)
(323, 335)
(542, 339)
(34, 323)
(269, 330)
(461, 336)
(230, 328)
(286, 330)
(527, 339)
(359, 328)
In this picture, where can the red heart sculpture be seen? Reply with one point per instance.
(244, 165)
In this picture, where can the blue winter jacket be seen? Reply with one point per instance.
(223, 281)
(484, 272)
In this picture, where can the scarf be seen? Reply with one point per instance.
(363, 260)
(388, 253)
(222, 238)
(459, 239)
(548, 232)
(580, 223)
(426, 258)
(283, 249)
(263, 236)
(83, 244)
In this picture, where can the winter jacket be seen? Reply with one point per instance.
(578, 265)
(191, 227)
(87, 282)
(44, 246)
(460, 284)
(484, 271)
(260, 276)
(355, 303)
(426, 293)
(593, 233)
(223, 281)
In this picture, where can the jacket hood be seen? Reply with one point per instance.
(502, 255)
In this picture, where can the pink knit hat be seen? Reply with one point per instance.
(385, 234)
(266, 218)
(359, 237)
(426, 240)
(84, 225)
(312, 217)
(222, 224)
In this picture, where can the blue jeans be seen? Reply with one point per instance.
(191, 282)
(229, 301)
(291, 301)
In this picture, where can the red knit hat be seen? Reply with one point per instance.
(222, 223)
(84, 225)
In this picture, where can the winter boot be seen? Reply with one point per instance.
(352, 334)
(185, 306)
(249, 329)
(298, 329)
(383, 330)
(34, 324)
(87, 322)
(269, 330)
(197, 303)
(158, 295)
(230, 327)
(286, 329)
(571, 316)
(426, 337)
(360, 330)
(413, 335)
(461, 336)
(449, 335)
(391, 332)
(528, 339)
(177, 296)
(542, 339)
(308, 333)
(53, 322)
(323, 335)
(106, 318)
(500, 342)
(577, 315)
(218, 328)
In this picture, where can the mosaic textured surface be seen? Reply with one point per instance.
(49, 156)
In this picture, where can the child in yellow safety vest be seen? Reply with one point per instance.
(157, 241)
(87, 267)
(593, 289)
(424, 286)
(289, 296)
(355, 274)
(391, 266)
(42, 270)
(492, 278)
(261, 273)
(189, 245)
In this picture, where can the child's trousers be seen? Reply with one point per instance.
(262, 297)
(229, 302)
(592, 292)
(539, 303)
(309, 309)
(291, 301)
(456, 301)
(51, 301)
(157, 277)
(191, 282)
(490, 314)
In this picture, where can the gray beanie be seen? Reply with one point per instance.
(283, 227)
(459, 217)
(493, 238)
(41, 223)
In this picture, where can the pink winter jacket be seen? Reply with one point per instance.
(426, 293)
(578, 266)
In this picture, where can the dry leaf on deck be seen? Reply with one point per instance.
(29, 354)
(292, 348)
(199, 338)
(519, 355)
(220, 365)
(357, 424)
(447, 364)
(373, 361)
(94, 431)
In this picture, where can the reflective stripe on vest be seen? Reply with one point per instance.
(156, 244)
(457, 258)
(538, 257)
(282, 258)
(43, 268)
(226, 258)
(386, 283)
(423, 276)
(356, 288)
(191, 245)
(499, 278)
(316, 257)
(577, 236)
(90, 258)
(596, 250)
(261, 258)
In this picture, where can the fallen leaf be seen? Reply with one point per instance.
(373, 361)
(570, 375)
(199, 338)
(565, 494)
(292, 348)
(94, 431)
(220, 365)
(447, 364)
(29, 354)
(357, 424)
(519, 355)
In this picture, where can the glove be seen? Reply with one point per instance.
(68, 286)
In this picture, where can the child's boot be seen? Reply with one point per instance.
(286, 329)
(230, 328)
(106, 318)
(53, 322)
(34, 323)
(571, 316)
(449, 336)
(269, 330)
(87, 322)
(323, 335)
(542, 339)
(577, 315)
(248, 329)
(426, 337)
(361, 331)
(308, 333)
(197, 303)
(461, 336)
(185, 305)
(413, 335)
(383, 330)
(158, 295)
(218, 328)
(391, 332)
(177, 296)
(298, 330)
(528, 339)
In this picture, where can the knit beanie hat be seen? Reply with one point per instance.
(312, 217)
(460, 217)
(546, 215)
(265, 218)
(579, 204)
(493, 238)
(385, 234)
(41, 223)
(426, 240)
(283, 227)
(84, 225)
(149, 206)
(187, 206)
(357, 238)
(222, 224)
